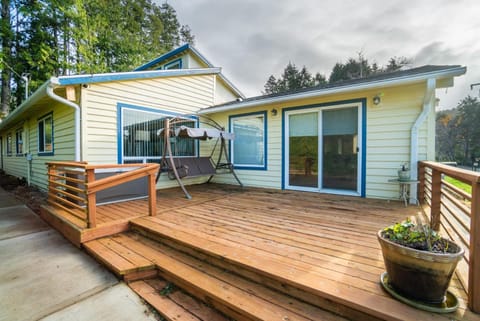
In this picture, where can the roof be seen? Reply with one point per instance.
(196, 53)
(376, 81)
(40, 95)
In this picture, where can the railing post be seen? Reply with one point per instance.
(91, 199)
(474, 261)
(436, 198)
(421, 184)
(50, 172)
(152, 194)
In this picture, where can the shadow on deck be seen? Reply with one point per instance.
(319, 249)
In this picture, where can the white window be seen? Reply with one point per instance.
(249, 145)
(19, 141)
(45, 135)
(9, 145)
(140, 142)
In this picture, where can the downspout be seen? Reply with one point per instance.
(76, 107)
(428, 105)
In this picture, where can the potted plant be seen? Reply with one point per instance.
(419, 262)
(404, 172)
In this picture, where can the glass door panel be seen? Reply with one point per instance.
(303, 150)
(340, 149)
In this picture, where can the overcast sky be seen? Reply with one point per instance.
(253, 39)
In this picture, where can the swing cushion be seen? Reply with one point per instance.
(193, 166)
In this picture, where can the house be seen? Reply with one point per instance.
(80, 118)
(345, 138)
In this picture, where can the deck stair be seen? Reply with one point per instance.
(234, 296)
(239, 281)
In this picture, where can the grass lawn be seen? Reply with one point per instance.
(467, 188)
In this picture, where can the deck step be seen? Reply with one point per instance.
(296, 279)
(234, 296)
(174, 304)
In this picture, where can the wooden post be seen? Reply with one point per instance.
(436, 197)
(51, 171)
(421, 184)
(91, 200)
(152, 194)
(474, 262)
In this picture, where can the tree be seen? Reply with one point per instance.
(6, 35)
(64, 37)
(292, 79)
(354, 68)
(467, 119)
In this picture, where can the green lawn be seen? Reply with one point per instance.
(467, 188)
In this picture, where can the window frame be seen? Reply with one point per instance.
(9, 144)
(19, 143)
(121, 158)
(231, 120)
(171, 64)
(42, 135)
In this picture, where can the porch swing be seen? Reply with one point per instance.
(182, 167)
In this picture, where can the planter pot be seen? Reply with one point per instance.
(419, 275)
(403, 175)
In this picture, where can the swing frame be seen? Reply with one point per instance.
(203, 165)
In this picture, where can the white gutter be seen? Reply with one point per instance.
(452, 72)
(69, 103)
(428, 105)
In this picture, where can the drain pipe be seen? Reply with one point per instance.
(76, 107)
(428, 105)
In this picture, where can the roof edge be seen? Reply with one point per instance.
(35, 97)
(445, 73)
(130, 75)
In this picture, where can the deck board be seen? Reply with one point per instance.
(325, 240)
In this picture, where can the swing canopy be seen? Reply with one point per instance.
(199, 133)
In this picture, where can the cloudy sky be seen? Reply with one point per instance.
(253, 39)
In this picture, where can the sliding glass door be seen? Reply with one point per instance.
(322, 147)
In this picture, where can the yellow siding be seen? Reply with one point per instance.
(181, 95)
(388, 137)
(63, 144)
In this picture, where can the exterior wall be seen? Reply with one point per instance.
(180, 95)
(223, 94)
(387, 137)
(63, 141)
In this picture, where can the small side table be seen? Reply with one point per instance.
(404, 188)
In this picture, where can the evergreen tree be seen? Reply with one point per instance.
(64, 37)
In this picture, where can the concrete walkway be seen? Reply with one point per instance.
(44, 277)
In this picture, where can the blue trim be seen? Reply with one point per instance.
(364, 147)
(363, 152)
(163, 57)
(120, 107)
(265, 141)
(173, 62)
(132, 75)
(48, 153)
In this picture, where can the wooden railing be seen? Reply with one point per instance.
(457, 215)
(72, 186)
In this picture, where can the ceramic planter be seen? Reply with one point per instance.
(403, 175)
(419, 275)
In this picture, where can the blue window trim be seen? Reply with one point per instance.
(265, 140)
(363, 152)
(173, 62)
(121, 106)
(52, 153)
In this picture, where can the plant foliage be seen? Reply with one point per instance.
(419, 237)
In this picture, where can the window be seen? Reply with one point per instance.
(9, 145)
(19, 141)
(140, 142)
(45, 135)
(249, 146)
(176, 64)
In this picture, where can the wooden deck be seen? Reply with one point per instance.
(317, 248)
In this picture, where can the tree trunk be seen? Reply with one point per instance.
(6, 54)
